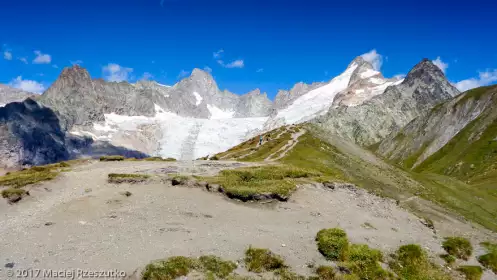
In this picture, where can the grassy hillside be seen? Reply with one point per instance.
(340, 160)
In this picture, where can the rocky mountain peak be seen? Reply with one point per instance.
(71, 77)
(425, 73)
(360, 62)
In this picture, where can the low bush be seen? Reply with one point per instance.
(410, 262)
(169, 269)
(117, 178)
(458, 247)
(333, 244)
(112, 158)
(489, 260)
(260, 260)
(217, 266)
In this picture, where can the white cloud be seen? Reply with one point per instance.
(23, 59)
(440, 64)
(77, 62)
(147, 76)
(218, 53)
(484, 78)
(55, 66)
(116, 73)
(208, 69)
(27, 85)
(260, 70)
(239, 63)
(42, 58)
(183, 74)
(374, 58)
(400, 76)
(7, 55)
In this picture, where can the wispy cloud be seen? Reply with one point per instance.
(374, 58)
(239, 63)
(113, 72)
(55, 66)
(183, 74)
(218, 54)
(27, 85)
(400, 76)
(7, 55)
(208, 69)
(484, 78)
(76, 62)
(260, 70)
(23, 59)
(42, 58)
(440, 64)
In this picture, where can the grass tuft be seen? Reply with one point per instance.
(112, 158)
(458, 246)
(471, 272)
(325, 272)
(169, 269)
(410, 262)
(216, 265)
(159, 159)
(364, 262)
(333, 244)
(11, 192)
(261, 260)
(489, 260)
(449, 259)
(117, 178)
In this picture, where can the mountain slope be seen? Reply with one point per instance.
(8, 94)
(424, 87)
(428, 133)
(342, 160)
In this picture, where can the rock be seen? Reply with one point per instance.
(14, 198)
(48, 223)
(127, 193)
(9, 265)
(329, 185)
(202, 184)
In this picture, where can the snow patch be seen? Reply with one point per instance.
(198, 98)
(369, 73)
(359, 91)
(2, 105)
(317, 101)
(217, 113)
(377, 81)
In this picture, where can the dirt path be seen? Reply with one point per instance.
(288, 147)
(62, 226)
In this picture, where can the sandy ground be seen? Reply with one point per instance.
(64, 225)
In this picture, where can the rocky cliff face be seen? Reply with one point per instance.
(424, 87)
(286, 97)
(470, 113)
(30, 134)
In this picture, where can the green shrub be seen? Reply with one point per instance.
(217, 266)
(169, 269)
(112, 158)
(214, 158)
(410, 262)
(333, 244)
(364, 262)
(489, 261)
(472, 272)
(458, 246)
(260, 260)
(118, 178)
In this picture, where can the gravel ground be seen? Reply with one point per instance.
(65, 225)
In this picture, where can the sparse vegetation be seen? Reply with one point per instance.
(260, 260)
(117, 178)
(325, 273)
(11, 192)
(112, 158)
(333, 244)
(489, 260)
(410, 262)
(159, 159)
(364, 262)
(217, 266)
(169, 269)
(277, 182)
(449, 259)
(471, 272)
(458, 246)
(368, 225)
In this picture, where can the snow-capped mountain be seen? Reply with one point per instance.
(194, 118)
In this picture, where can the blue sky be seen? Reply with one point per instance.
(269, 44)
